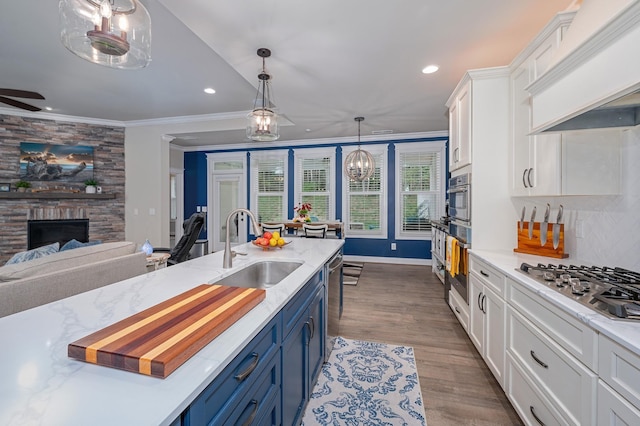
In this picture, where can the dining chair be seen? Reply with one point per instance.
(274, 227)
(315, 231)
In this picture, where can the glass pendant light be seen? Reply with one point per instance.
(262, 123)
(113, 33)
(359, 164)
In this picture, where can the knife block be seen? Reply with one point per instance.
(534, 246)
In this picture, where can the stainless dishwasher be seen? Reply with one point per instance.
(334, 300)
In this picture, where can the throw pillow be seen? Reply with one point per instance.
(34, 253)
(74, 244)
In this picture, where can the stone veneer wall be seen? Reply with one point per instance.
(106, 216)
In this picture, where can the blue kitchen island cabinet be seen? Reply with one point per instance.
(303, 348)
(269, 381)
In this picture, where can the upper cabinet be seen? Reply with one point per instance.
(555, 163)
(460, 127)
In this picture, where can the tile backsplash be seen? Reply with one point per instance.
(610, 233)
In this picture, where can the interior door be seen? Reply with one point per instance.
(228, 194)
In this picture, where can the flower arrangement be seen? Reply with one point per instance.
(302, 211)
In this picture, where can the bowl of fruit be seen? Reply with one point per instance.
(270, 241)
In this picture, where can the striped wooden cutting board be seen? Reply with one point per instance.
(158, 340)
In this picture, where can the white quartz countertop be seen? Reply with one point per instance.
(40, 384)
(624, 332)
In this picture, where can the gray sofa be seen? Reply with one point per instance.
(56, 276)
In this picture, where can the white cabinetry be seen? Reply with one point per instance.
(459, 308)
(619, 387)
(568, 163)
(479, 144)
(535, 160)
(460, 127)
(555, 354)
(487, 315)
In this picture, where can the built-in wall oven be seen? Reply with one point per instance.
(460, 198)
(460, 229)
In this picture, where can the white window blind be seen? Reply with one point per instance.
(269, 186)
(365, 202)
(420, 187)
(315, 181)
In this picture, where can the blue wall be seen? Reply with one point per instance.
(195, 194)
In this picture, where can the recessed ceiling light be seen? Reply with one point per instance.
(430, 69)
(209, 91)
(48, 108)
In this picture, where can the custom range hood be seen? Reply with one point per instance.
(594, 77)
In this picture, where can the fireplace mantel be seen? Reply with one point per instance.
(54, 195)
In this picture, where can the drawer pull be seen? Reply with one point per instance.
(536, 359)
(240, 377)
(308, 325)
(483, 273)
(533, 413)
(313, 327)
(458, 310)
(253, 413)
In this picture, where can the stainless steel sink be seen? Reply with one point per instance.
(263, 274)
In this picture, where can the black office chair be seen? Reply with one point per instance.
(180, 252)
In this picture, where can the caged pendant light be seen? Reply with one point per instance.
(359, 164)
(112, 33)
(262, 123)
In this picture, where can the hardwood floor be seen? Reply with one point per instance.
(404, 305)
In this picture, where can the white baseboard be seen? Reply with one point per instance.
(393, 260)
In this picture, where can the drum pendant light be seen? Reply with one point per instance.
(262, 122)
(112, 33)
(359, 164)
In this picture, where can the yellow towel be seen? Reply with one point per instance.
(447, 263)
(455, 258)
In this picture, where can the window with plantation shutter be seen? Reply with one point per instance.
(420, 192)
(364, 203)
(315, 181)
(269, 186)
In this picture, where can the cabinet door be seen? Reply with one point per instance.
(476, 302)
(460, 128)
(454, 138)
(613, 409)
(294, 373)
(546, 177)
(494, 334)
(520, 153)
(317, 337)
(464, 126)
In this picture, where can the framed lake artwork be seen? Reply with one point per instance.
(55, 163)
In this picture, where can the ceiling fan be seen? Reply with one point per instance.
(19, 94)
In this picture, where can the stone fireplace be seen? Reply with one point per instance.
(105, 211)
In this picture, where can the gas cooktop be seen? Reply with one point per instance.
(613, 292)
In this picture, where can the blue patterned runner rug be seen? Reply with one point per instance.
(367, 383)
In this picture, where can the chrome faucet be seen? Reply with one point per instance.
(227, 261)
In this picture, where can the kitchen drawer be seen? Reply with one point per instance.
(620, 369)
(613, 409)
(460, 308)
(488, 274)
(574, 336)
(259, 400)
(298, 305)
(567, 382)
(528, 401)
(222, 396)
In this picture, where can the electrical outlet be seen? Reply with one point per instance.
(198, 209)
(204, 209)
(393, 246)
(152, 211)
